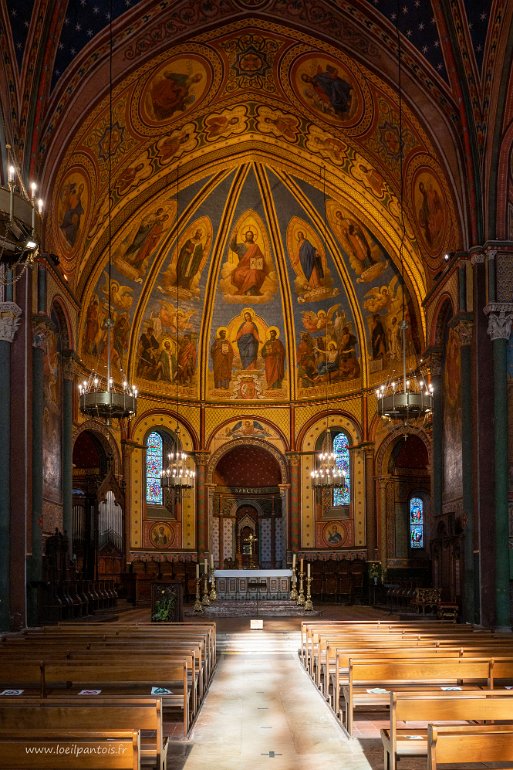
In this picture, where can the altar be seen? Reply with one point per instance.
(251, 584)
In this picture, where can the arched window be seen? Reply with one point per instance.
(416, 522)
(342, 496)
(154, 467)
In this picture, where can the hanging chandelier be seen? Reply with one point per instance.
(409, 397)
(327, 475)
(100, 395)
(19, 244)
(179, 475)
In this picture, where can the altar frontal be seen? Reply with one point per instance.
(251, 584)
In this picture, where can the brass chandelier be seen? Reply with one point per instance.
(100, 396)
(409, 396)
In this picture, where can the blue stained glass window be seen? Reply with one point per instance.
(342, 496)
(154, 466)
(416, 523)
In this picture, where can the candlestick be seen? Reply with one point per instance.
(198, 607)
(205, 601)
(213, 592)
(301, 597)
(293, 590)
(308, 601)
(301, 565)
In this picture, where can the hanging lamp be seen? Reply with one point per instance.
(100, 395)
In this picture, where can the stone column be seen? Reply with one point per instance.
(68, 371)
(370, 504)
(500, 317)
(293, 530)
(41, 328)
(464, 329)
(284, 494)
(10, 316)
(435, 365)
(382, 529)
(202, 512)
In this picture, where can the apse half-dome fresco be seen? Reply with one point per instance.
(264, 245)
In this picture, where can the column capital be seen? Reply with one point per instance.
(293, 459)
(201, 457)
(69, 365)
(500, 318)
(433, 358)
(477, 257)
(10, 318)
(464, 330)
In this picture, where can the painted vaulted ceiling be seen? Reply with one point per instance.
(239, 166)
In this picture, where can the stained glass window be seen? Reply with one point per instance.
(154, 465)
(416, 523)
(342, 496)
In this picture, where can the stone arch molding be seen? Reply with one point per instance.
(246, 442)
(383, 453)
(106, 440)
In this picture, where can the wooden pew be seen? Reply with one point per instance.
(37, 749)
(468, 744)
(370, 682)
(464, 706)
(119, 679)
(91, 714)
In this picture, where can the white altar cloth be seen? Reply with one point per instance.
(249, 573)
(251, 584)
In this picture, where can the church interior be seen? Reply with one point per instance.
(256, 274)
(256, 302)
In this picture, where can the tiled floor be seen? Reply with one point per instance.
(262, 710)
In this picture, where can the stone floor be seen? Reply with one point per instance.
(262, 711)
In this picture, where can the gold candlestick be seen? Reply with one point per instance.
(198, 607)
(205, 601)
(293, 591)
(213, 592)
(308, 602)
(301, 597)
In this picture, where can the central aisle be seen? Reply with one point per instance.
(262, 711)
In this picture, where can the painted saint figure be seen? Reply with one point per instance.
(332, 91)
(222, 359)
(273, 354)
(378, 337)
(148, 345)
(71, 219)
(186, 363)
(311, 262)
(171, 93)
(189, 260)
(248, 342)
(251, 271)
(166, 364)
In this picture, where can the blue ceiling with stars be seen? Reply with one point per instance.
(416, 19)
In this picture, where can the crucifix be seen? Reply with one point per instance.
(248, 550)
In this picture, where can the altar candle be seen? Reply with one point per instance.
(308, 569)
(301, 565)
(293, 562)
(197, 571)
(211, 561)
(206, 566)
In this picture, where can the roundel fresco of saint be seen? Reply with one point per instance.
(327, 88)
(174, 89)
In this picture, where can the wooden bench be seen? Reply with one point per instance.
(120, 679)
(91, 714)
(38, 749)
(467, 744)
(370, 682)
(464, 706)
